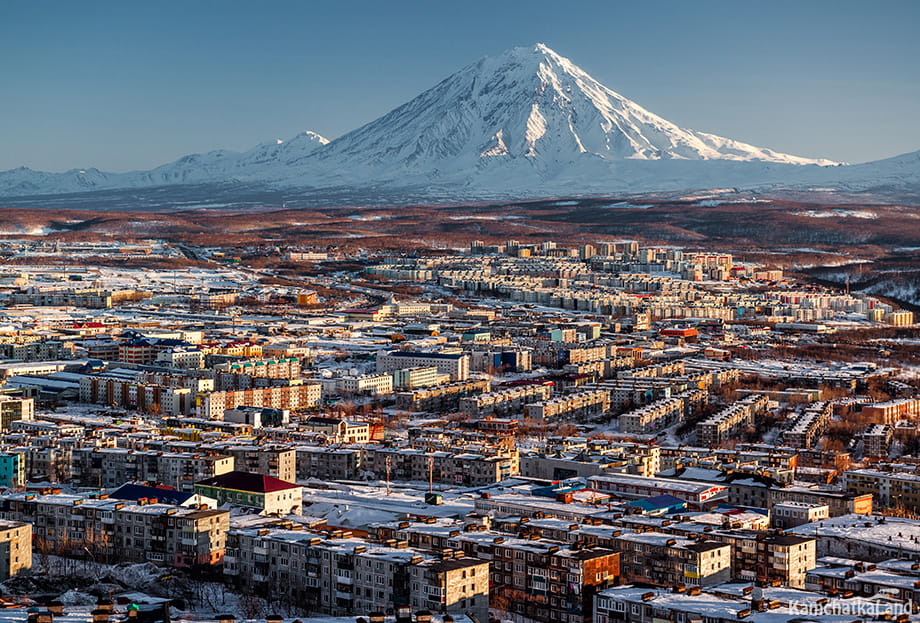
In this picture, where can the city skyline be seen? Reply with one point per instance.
(141, 86)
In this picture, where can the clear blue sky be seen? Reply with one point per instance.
(128, 85)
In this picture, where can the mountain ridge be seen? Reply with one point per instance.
(525, 122)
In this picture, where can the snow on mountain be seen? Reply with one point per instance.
(524, 123)
(217, 166)
(528, 103)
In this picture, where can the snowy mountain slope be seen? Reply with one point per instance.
(526, 103)
(212, 167)
(527, 122)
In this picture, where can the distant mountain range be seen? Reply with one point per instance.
(526, 123)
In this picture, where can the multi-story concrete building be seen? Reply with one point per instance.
(889, 489)
(456, 365)
(114, 530)
(451, 585)
(756, 555)
(665, 560)
(279, 461)
(504, 402)
(809, 426)
(13, 409)
(791, 514)
(576, 405)
(712, 431)
(112, 467)
(461, 467)
(12, 469)
(441, 397)
(877, 440)
(304, 396)
(368, 384)
(891, 411)
(152, 397)
(838, 502)
(653, 417)
(15, 548)
(337, 430)
(414, 378)
(333, 576)
(328, 463)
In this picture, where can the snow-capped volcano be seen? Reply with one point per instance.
(527, 122)
(529, 103)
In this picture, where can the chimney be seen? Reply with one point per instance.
(100, 616)
(377, 617)
(105, 605)
(274, 618)
(56, 608)
(423, 616)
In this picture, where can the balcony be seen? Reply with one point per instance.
(188, 541)
(343, 579)
(263, 551)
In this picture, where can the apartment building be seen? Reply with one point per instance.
(114, 530)
(12, 469)
(763, 556)
(15, 548)
(506, 402)
(791, 514)
(460, 467)
(665, 560)
(307, 395)
(889, 489)
(280, 368)
(542, 580)
(279, 462)
(809, 426)
(13, 409)
(838, 502)
(729, 421)
(689, 605)
(166, 400)
(893, 410)
(90, 298)
(112, 467)
(653, 417)
(877, 440)
(328, 463)
(576, 405)
(414, 378)
(39, 350)
(337, 430)
(456, 365)
(339, 576)
(365, 385)
(441, 397)
(451, 585)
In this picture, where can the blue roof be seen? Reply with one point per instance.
(658, 502)
(135, 492)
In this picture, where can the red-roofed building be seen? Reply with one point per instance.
(270, 495)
